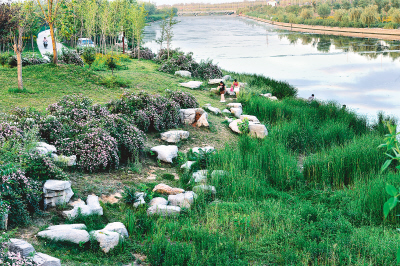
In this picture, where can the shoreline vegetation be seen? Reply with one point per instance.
(378, 33)
(310, 193)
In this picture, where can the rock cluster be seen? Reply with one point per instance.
(92, 207)
(56, 192)
(183, 73)
(44, 149)
(25, 249)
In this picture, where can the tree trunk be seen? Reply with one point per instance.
(33, 49)
(53, 41)
(123, 42)
(138, 49)
(18, 49)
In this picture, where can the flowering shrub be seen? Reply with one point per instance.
(183, 99)
(70, 57)
(95, 149)
(158, 112)
(4, 208)
(130, 139)
(145, 53)
(26, 61)
(42, 167)
(180, 61)
(8, 258)
(23, 194)
(9, 131)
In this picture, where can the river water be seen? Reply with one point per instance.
(362, 73)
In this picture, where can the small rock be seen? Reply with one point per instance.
(226, 77)
(57, 192)
(226, 111)
(166, 153)
(164, 210)
(139, 202)
(183, 200)
(158, 201)
(215, 81)
(267, 95)
(107, 239)
(236, 111)
(49, 148)
(183, 73)
(202, 122)
(273, 98)
(234, 126)
(165, 189)
(42, 259)
(117, 227)
(174, 136)
(92, 207)
(66, 160)
(200, 176)
(214, 110)
(205, 188)
(187, 165)
(192, 84)
(203, 149)
(234, 105)
(113, 198)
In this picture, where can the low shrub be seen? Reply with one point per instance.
(183, 99)
(114, 82)
(89, 55)
(26, 61)
(70, 57)
(207, 70)
(4, 57)
(145, 53)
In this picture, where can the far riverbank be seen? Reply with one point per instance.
(378, 33)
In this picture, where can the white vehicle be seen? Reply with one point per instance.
(85, 42)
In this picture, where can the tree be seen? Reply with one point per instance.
(369, 15)
(339, 15)
(395, 15)
(346, 4)
(306, 13)
(163, 26)
(5, 23)
(50, 16)
(90, 17)
(355, 14)
(139, 22)
(168, 31)
(324, 10)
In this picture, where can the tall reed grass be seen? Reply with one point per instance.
(338, 166)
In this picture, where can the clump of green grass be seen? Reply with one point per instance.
(338, 166)
(114, 82)
(17, 90)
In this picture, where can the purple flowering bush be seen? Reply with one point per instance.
(183, 99)
(23, 194)
(145, 53)
(8, 258)
(150, 112)
(9, 131)
(95, 149)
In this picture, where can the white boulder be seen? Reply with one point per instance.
(266, 95)
(166, 153)
(76, 236)
(234, 105)
(187, 165)
(215, 81)
(234, 126)
(258, 130)
(49, 148)
(164, 210)
(67, 227)
(226, 111)
(188, 116)
(273, 98)
(200, 176)
(251, 118)
(205, 189)
(192, 84)
(20, 246)
(57, 192)
(214, 110)
(107, 239)
(117, 227)
(236, 111)
(203, 149)
(165, 189)
(183, 200)
(158, 201)
(183, 73)
(174, 136)
(42, 259)
(203, 122)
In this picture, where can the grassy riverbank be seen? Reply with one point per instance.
(308, 194)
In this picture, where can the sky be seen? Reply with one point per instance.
(171, 2)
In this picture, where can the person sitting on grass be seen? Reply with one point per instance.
(221, 88)
(236, 87)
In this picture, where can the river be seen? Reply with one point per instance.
(363, 74)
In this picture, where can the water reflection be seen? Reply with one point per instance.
(362, 73)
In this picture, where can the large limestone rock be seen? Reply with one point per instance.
(165, 189)
(92, 207)
(214, 110)
(174, 136)
(164, 210)
(57, 192)
(236, 111)
(107, 239)
(67, 227)
(234, 126)
(20, 246)
(258, 130)
(183, 200)
(205, 189)
(42, 259)
(215, 81)
(183, 73)
(203, 149)
(117, 227)
(273, 98)
(200, 176)
(71, 235)
(226, 111)
(158, 201)
(266, 95)
(192, 84)
(234, 105)
(251, 118)
(139, 199)
(46, 148)
(166, 153)
(188, 116)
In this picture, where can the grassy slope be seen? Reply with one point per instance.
(264, 227)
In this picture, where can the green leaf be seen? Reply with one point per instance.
(386, 209)
(386, 165)
(391, 190)
(398, 167)
(398, 256)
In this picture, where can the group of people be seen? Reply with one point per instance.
(234, 88)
